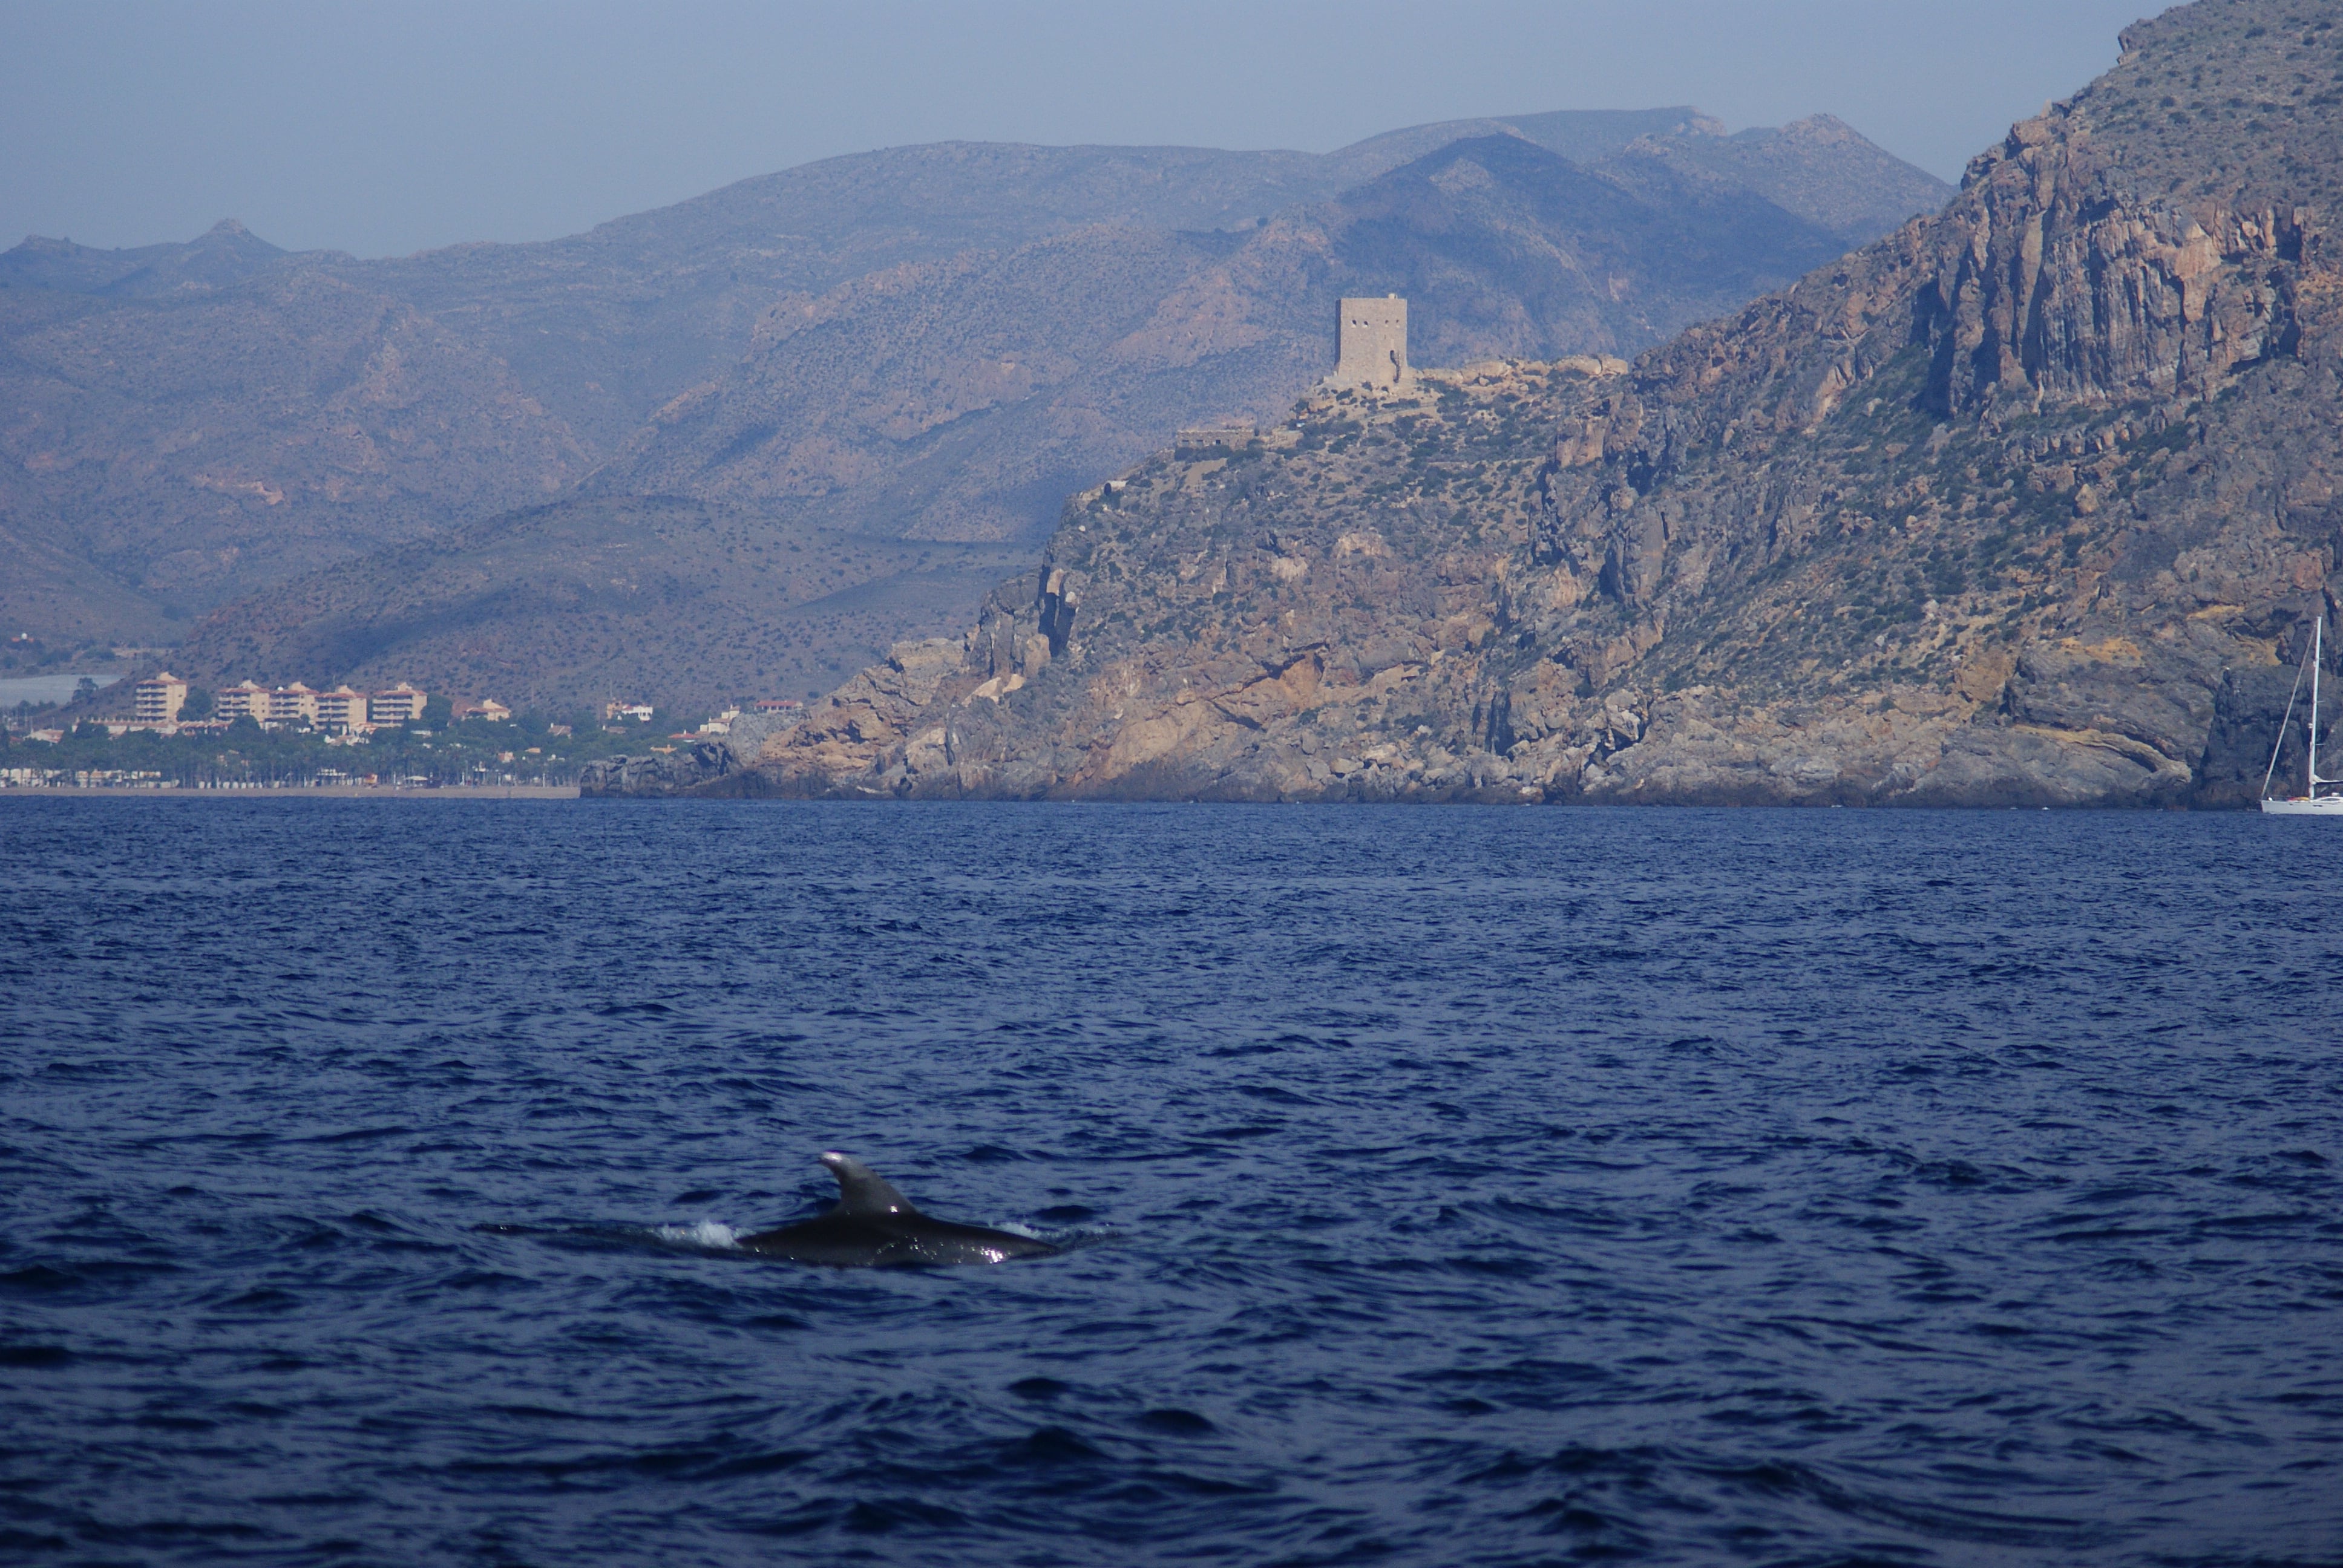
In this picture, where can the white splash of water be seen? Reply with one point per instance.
(705, 1233)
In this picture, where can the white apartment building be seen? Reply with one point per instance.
(341, 708)
(242, 701)
(402, 704)
(160, 697)
(294, 704)
(344, 710)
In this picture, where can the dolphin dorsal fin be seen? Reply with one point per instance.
(862, 1190)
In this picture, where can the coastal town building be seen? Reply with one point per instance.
(1371, 343)
(488, 708)
(640, 712)
(402, 704)
(242, 701)
(294, 704)
(341, 709)
(159, 698)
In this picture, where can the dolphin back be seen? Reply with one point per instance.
(874, 1226)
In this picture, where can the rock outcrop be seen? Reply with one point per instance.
(2031, 502)
(675, 772)
(683, 770)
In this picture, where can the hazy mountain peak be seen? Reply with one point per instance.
(226, 253)
(921, 343)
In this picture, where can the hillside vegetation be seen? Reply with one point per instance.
(584, 601)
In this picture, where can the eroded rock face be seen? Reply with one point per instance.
(673, 772)
(2056, 282)
(2031, 503)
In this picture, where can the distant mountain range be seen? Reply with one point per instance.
(932, 343)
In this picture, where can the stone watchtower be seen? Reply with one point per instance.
(1372, 337)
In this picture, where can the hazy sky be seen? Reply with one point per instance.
(391, 127)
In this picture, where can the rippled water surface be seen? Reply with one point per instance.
(1446, 1185)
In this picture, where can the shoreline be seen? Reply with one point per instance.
(308, 792)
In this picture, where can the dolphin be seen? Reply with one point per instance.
(874, 1226)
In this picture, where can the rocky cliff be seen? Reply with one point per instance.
(2032, 501)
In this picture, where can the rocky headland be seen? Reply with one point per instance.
(2031, 502)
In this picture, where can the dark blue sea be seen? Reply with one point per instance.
(1440, 1185)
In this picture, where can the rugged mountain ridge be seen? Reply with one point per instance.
(167, 448)
(159, 398)
(965, 399)
(2030, 502)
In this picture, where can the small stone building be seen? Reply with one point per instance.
(1372, 336)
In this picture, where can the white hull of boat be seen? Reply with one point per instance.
(2311, 802)
(2325, 806)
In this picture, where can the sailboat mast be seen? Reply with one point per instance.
(2310, 764)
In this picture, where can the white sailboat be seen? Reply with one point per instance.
(2310, 803)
